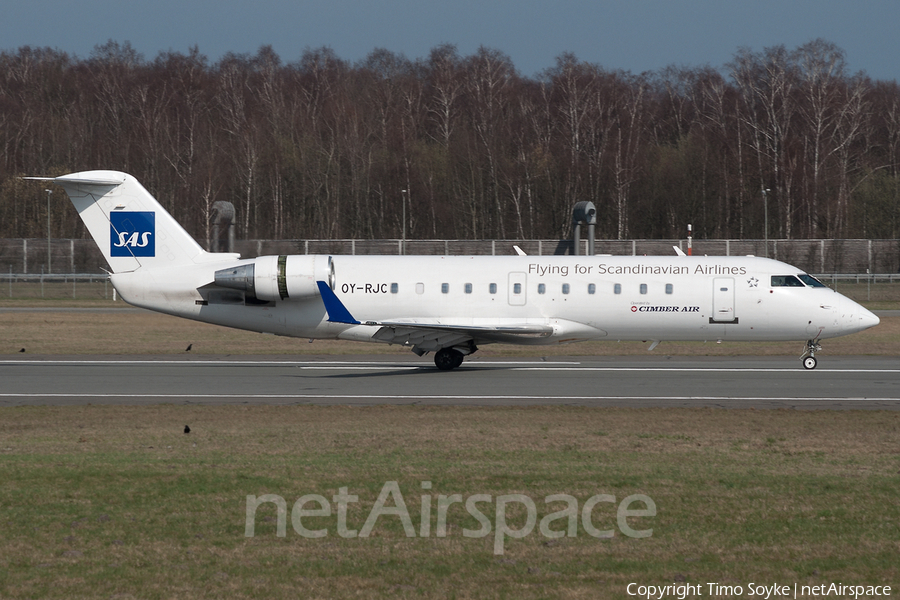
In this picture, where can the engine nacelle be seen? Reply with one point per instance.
(281, 277)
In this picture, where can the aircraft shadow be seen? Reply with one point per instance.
(407, 372)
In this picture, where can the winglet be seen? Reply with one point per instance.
(337, 312)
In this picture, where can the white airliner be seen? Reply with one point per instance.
(450, 305)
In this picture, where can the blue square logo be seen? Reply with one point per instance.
(132, 234)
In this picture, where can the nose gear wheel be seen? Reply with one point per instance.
(809, 354)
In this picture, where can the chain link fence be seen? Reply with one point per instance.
(69, 256)
(77, 286)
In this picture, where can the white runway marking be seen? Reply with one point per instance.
(709, 369)
(503, 382)
(263, 363)
(472, 365)
(438, 397)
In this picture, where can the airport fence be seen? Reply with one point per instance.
(76, 286)
(70, 256)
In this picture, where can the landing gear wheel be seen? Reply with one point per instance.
(809, 354)
(446, 359)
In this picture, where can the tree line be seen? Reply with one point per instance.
(459, 147)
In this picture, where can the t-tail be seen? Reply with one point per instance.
(131, 228)
(154, 263)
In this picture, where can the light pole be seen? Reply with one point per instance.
(49, 192)
(403, 235)
(765, 194)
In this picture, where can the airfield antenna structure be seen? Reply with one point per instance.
(584, 212)
(223, 226)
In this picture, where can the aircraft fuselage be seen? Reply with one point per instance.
(580, 297)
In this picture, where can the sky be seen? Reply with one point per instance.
(632, 35)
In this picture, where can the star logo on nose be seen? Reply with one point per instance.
(753, 281)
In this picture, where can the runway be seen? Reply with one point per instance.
(742, 382)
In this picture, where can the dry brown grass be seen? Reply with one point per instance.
(144, 332)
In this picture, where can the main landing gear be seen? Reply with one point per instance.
(446, 359)
(809, 354)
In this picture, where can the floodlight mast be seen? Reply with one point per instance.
(49, 192)
(765, 193)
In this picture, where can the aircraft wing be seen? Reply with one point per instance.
(430, 335)
(434, 336)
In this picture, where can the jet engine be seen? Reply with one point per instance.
(281, 277)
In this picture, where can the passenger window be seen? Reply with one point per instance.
(565, 288)
(445, 288)
(394, 288)
(643, 288)
(420, 288)
(617, 288)
(669, 288)
(786, 281)
(542, 289)
(468, 288)
(592, 288)
(493, 288)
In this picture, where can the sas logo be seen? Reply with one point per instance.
(132, 234)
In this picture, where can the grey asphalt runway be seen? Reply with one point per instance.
(741, 382)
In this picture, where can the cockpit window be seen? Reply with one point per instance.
(811, 281)
(785, 281)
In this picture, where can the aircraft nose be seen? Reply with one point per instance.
(856, 317)
(867, 319)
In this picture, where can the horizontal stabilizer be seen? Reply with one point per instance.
(75, 179)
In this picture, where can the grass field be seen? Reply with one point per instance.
(117, 502)
(52, 332)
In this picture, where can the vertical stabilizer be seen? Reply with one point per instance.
(131, 228)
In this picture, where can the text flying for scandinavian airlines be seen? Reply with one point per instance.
(546, 270)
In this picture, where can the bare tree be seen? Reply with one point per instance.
(821, 79)
(323, 148)
(490, 79)
(628, 129)
(766, 83)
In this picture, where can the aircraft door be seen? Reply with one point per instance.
(723, 300)
(517, 289)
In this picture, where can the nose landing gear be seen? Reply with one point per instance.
(809, 354)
